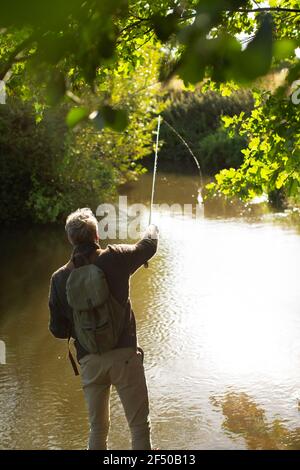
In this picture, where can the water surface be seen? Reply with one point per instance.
(218, 314)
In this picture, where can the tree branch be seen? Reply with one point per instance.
(238, 10)
(254, 10)
(12, 58)
(13, 55)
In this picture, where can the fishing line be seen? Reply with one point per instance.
(189, 149)
(155, 167)
(155, 163)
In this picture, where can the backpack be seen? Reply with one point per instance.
(98, 317)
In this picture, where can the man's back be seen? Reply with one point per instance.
(118, 263)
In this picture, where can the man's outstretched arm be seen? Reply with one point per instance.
(138, 254)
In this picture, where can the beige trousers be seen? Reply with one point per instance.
(124, 369)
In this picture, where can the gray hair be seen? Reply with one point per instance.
(81, 226)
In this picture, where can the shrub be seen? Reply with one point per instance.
(219, 150)
(197, 117)
(44, 173)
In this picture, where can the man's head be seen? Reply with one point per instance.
(82, 227)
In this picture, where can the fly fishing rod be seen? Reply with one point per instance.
(146, 265)
(154, 169)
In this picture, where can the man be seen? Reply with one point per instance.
(123, 365)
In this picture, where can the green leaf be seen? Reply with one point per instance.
(284, 48)
(254, 143)
(293, 188)
(256, 59)
(164, 26)
(76, 115)
(281, 179)
(191, 68)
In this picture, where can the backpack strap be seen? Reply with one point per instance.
(70, 355)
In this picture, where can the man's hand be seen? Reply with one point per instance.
(152, 232)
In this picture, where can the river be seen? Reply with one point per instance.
(218, 315)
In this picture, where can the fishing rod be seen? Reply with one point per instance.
(146, 265)
(155, 167)
(156, 157)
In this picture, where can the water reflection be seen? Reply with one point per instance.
(244, 417)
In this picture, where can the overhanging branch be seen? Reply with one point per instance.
(12, 58)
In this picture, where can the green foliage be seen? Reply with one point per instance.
(26, 150)
(198, 116)
(256, 60)
(67, 43)
(272, 158)
(218, 151)
(76, 115)
(48, 167)
(82, 49)
(46, 170)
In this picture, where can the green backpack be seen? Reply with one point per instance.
(98, 317)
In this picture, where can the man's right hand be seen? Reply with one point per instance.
(152, 232)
